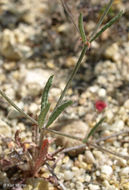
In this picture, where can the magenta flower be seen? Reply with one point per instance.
(100, 105)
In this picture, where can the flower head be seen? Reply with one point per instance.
(100, 105)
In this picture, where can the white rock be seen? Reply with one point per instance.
(33, 89)
(79, 185)
(37, 76)
(106, 170)
(93, 89)
(113, 52)
(5, 129)
(89, 157)
(68, 175)
(33, 108)
(121, 162)
(13, 113)
(125, 171)
(88, 178)
(109, 114)
(126, 104)
(11, 46)
(117, 126)
(102, 92)
(93, 187)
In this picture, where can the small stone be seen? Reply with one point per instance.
(88, 178)
(5, 129)
(93, 89)
(13, 113)
(75, 128)
(11, 46)
(106, 170)
(126, 104)
(68, 175)
(126, 186)
(117, 126)
(125, 171)
(121, 162)
(79, 185)
(63, 28)
(33, 89)
(109, 115)
(93, 187)
(102, 92)
(113, 52)
(38, 76)
(89, 157)
(33, 108)
(71, 61)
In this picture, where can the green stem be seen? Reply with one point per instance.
(85, 47)
(17, 108)
(101, 19)
(33, 120)
(114, 19)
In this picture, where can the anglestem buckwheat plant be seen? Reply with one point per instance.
(35, 154)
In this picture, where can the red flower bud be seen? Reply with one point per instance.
(100, 105)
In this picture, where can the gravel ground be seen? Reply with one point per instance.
(37, 41)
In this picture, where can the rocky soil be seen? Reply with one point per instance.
(37, 40)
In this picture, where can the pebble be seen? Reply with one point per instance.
(106, 169)
(38, 76)
(109, 115)
(5, 129)
(33, 89)
(13, 113)
(102, 92)
(125, 171)
(79, 185)
(75, 128)
(113, 52)
(89, 157)
(126, 104)
(93, 187)
(68, 175)
(118, 125)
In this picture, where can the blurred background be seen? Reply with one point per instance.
(38, 39)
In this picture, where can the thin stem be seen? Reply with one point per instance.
(17, 108)
(107, 25)
(101, 18)
(111, 136)
(33, 120)
(65, 135)
(66, 8)
(110, 152)
(53, 131)
(85, 47)
(96, 146)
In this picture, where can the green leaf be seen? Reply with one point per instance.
(57, 112)
(92, 131)
(81, 28)
(43, 114)
(44, 100)
(107, 25)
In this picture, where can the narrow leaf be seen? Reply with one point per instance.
(44, 100)
(42, 155)
(107, 25)
(81, 28)
(102, 18)
(43, 114)
(92, 131)
(57, 112)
